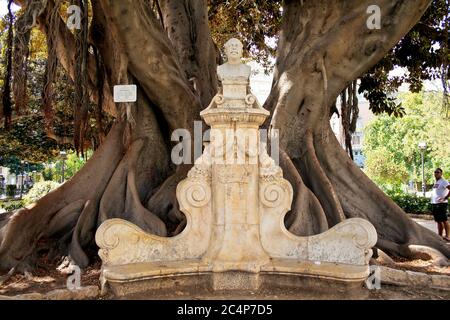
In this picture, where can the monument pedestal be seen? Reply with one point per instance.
(235, 199)
(340, 254)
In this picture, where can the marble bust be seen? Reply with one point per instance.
(233, 68)
(234, 75)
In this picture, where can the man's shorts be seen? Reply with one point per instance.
(439, 211)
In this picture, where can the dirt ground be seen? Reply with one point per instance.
(419, 265)
(43, 280)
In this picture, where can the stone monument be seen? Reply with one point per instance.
(235, 200)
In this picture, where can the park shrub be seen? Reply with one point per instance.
(410, 203)
(11, 190)
(11, 205)
(39, 190)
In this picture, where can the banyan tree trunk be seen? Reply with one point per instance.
(323, 46)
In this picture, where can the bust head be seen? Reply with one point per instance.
(233, 50)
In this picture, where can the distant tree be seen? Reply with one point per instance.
(391, 143)
(72, 165)
(382, 168)
(18, 166)
(423, 52)
(35, 131)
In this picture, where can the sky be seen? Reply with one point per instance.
(4, 7)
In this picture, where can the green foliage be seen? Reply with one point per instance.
(16, 165)
(391, 144)
(383, 169)
(27, 138)
(11, 205)
(410, 203)
(423, 53)
(39, 190)
(255, 22)
(11, 190)
(72, 164)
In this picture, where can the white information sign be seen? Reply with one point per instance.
(125, 93)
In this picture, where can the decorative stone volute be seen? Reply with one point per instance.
(235, 199)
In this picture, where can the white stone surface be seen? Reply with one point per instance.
(125, 93)
(440, 281)
(411, 278)
(393, 276)
(235, 199)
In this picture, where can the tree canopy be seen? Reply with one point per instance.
(423, 53)
(391, 144)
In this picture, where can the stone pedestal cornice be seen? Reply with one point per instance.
(235, 199)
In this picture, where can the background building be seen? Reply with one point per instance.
(260, 82)
(261, 85)
(6, 177)
(364, 117)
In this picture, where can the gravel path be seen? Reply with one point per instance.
(430, 224)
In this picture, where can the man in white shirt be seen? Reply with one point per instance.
(439, 203)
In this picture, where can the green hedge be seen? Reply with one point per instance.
(11, 205)
(411, 203)
(39, 190)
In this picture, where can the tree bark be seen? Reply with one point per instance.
(318, 56)
(134, 159)
(323, 46)
(186, 23)
(152, 62)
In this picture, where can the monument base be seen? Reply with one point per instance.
(235, 200)
(197, 277)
